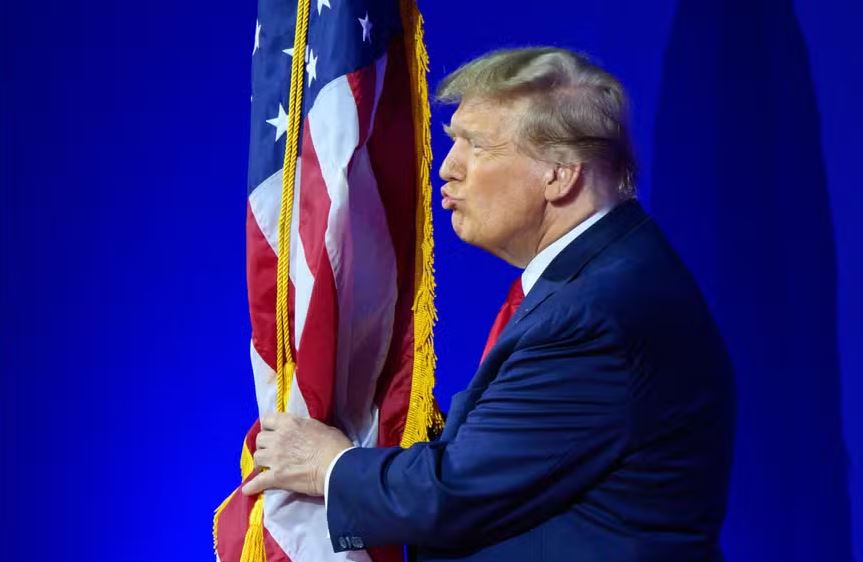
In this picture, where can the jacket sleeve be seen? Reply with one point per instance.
(549, 426)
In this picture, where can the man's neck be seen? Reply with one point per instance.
(560, 227)
(560, 221)
(547, 255)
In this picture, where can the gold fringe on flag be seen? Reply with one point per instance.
(218, 514)
(422, 414)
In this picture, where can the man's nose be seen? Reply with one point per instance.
(449, 168)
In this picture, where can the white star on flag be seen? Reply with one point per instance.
(312, 67)
(257, 37)
(280, 122)
(322, 3)
(290, 52)
(367, 28)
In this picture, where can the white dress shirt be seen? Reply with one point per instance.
(529, 277)
(542, 260)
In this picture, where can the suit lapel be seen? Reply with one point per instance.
(572, 260)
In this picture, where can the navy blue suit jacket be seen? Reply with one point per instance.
(598, 428)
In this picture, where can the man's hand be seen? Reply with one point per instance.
(297, 452)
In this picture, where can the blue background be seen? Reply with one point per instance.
(126, 387)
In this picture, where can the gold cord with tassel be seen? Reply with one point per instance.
(253, 545)
(284, 359)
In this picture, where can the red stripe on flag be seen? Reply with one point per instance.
(390, 553)
(252, 435)
(362, 84)
(261, 265)
(274, 551)
(232, 525)
(316, 357)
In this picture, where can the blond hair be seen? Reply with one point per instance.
(577, 112)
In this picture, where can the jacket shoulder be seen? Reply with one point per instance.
(638, 289)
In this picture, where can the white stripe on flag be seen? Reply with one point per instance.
(367, 295)
(298, 525)
(265, 382)
(300, 274)
(265, 388)
(264, 201)
(357, 229)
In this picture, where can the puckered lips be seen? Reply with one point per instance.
(449, 201)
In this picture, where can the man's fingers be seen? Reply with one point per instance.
(269, 421)
(263, 440)
(272, 421)
(292, 480)
(261, 482)
(261, 458)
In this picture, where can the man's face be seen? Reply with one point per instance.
(495, 193)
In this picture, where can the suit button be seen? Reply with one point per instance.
(357, 542)
(342, 542)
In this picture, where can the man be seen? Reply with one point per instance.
(598, 427)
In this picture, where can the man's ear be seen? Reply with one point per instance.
(563, 182)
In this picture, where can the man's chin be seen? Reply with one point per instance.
(465, 233)
(457, 221)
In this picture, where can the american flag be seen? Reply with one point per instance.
(360, 285)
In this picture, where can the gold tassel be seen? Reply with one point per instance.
(253, 545)
(422, 413)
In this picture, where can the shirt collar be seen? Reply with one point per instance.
(537, 265)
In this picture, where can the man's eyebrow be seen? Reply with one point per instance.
(448, 130)
(453, 132)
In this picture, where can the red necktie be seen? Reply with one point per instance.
(513, 299)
